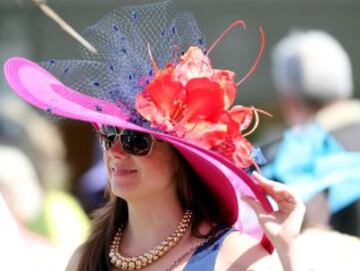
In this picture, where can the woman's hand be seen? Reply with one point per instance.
(283, 225)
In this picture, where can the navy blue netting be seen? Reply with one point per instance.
(122, 38)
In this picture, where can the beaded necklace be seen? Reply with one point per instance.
(139, 262)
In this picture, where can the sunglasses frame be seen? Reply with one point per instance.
(118, 133)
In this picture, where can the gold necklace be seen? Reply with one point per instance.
(139, 262)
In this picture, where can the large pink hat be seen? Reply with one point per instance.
(152, 73)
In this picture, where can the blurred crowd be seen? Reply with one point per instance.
(318, 156)
(41, 222)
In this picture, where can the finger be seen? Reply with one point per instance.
(268, 184)
(285, 198)
(276, 190)
(256, 205)
(261, 214)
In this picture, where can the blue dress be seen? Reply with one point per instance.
(204, 257)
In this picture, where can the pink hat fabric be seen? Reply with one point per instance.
(227, 182)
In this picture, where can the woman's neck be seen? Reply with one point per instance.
(150, 221)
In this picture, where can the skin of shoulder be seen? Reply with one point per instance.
(242, 252)
(74, 260)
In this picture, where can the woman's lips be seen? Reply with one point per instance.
(122, 172)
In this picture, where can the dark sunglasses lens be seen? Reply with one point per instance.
(108, 130)
(109, 141)
(108, 136)
(136, 143)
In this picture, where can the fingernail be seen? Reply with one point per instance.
(247, 198)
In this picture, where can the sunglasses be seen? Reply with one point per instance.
(132, 142)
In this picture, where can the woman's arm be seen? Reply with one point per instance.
(282, 227)
(73, 264)
(291, 258)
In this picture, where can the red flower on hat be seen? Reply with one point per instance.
(192, 100)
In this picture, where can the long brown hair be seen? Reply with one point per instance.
(192, 194)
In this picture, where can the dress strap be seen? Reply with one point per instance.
(204, 257)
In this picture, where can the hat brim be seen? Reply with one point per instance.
(226, 182)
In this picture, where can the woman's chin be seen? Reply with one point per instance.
(123, 186)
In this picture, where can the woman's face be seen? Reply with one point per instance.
(140, 176)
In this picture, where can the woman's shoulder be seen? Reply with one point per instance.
(73, 264)
(240, 251)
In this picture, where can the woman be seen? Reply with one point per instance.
(174, 148)
(150, 193)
